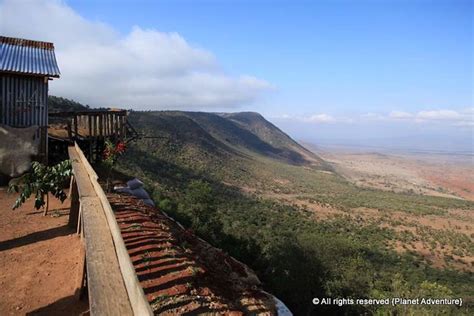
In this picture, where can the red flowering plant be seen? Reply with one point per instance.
(110, 156)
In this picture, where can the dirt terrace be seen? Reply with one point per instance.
(39, 259)
(182, 274)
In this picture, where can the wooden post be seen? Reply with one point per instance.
(116, 126)
(69, 130)
(75, 205)
(89, 121)
(121, 126)
(81, 275)
(80, 230)
(101, 125)
(75, 126)
(71, 182)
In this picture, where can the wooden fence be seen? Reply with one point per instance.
(98, 123)
(107, 270)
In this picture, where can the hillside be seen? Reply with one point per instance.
(59, 104)
(270, 134)
(217, 146)
(246, 187)
(226, 134)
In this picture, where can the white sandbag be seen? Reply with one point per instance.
(134, 184)
(123, 190)
(140, 193)
(149, 202)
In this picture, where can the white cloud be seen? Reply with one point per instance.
(144, 69)
(319, 118)
(462, 118)
(400, 115)
(444, 115)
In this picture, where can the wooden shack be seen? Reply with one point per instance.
(90, 129)
(26, 67)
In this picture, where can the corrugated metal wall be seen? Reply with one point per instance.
(23, 103)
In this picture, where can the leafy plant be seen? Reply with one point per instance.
(110, 156)
(41, 181)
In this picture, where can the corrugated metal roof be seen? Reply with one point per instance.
(27, 57)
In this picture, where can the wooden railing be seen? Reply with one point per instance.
(107, 270)
(98, 123)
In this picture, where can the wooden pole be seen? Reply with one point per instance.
(74, 212)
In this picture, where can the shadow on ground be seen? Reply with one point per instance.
(35, 237)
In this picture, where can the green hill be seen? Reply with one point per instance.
(59, 104)
(247, 133)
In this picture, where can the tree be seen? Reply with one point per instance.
(41, 181)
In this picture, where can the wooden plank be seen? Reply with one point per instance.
(101, 125)
(105, 249)
(136, 295)
(116, 130)
(107, 293)
(106, 124)
(109, 122)
(89, 122)
(84, 186)
(85, 162)
(96, 125)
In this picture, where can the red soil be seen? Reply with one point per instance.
(39, 256)
(182, 274)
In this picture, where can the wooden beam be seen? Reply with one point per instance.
(84, 186)
(114, 288)
(107, 293)
(136, 295)
(75, 126)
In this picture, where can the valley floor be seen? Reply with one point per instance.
(435, 174)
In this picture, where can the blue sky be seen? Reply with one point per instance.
(334, 70)
(334, 55)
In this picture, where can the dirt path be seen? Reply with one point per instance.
(39, 257)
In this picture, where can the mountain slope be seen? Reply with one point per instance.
(218, 145)
(251, 131)
(266, 131)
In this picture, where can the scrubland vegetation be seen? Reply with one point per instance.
(259, 208)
